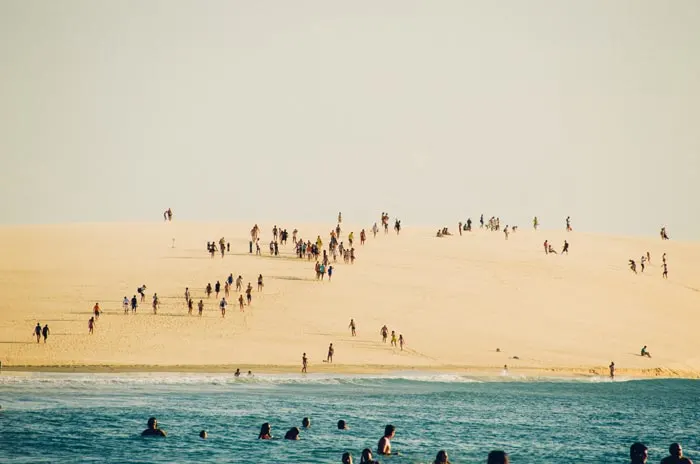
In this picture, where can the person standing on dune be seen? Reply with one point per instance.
(331, 350)
(352, 328)
(612, 370)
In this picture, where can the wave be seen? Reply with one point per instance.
(170, 378)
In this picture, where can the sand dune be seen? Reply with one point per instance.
(455, 300)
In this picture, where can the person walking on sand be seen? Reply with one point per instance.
(260, 283)
(568, 224)
(91, 325)
(612, 370)
(641, 262)
(156, 303)
(352, 327)
(665, 273)
(304, 363)
(329, 357)
(241, 303)
(208, 290)
(546, 247)
(401, 341)
(217, 289)
(249, 293)
(134, 304)
(37, 332)
(142, 291)
(96, 310)
(459, 228)
(385, 333)
(535, 223)
(239, 283)
(45, 332)
(222, 306)
(125, 304)
(505, 231)
(330, 273)
(375, 229)
(200, 307)
(633, 266)
(393, 338)
(566, 248)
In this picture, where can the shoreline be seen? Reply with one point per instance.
(346, 369)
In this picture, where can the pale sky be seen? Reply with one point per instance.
(290, 111)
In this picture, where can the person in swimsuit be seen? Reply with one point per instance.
(208, 290)
(292, 434)
(676, 455)
(190, 306)
(612, 370)
(393, 338)
(352, 327)
(384, 445)
(248, 293)
(200, 307)
(96, 310)
(401, 341)
(306, 422)
(441, 458)
(203, 434)
(156, 302)
(125, 304)
(91, 325)
(665, 273)
(260, 283)
(37, 332)
(304, 363)
(153, 430)
(638, 453)
(217, 289)
(347, 458)
(497, 457)
(241, 303)
(331, 350)
(45, 332)
(265, 432)
(385, 333)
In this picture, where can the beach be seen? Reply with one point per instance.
(456, 300)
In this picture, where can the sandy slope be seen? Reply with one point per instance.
(455, 300)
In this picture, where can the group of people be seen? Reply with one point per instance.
(400, 342)
(548, 249)
(645, 260)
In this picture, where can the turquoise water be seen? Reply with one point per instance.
(98, 417)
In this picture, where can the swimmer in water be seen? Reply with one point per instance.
(306, 422)
(292, 434)
(153, 430)
(676, 455)
(497, 457)
(265, 432)
(638, 453)
(347, 458)
(384, 445)
(342, 425)
(441, 458)
(367, 457)
(203, 434)
(237, 373)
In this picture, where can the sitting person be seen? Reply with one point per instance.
(439, 233)
(644, 352)
(153, 430)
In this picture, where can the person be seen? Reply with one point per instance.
(190, 306)
(342, 425)
(250, 373)
(641, 262)
(330, 272)
(156, 302)
(304, 363)
(665, 273)
(441, 458)
(260, 283)
(37, 332)
(222, 306)
(352, 327)
(153, 430)
(546, 247)
(249, 293)
(96, 310)
(535, 223)
(203, 434)
(644, 352)
(265, 432)
(200, 307)
(125, 305)
(241, 303)
(237, 373)
(566, 248)
(367, 457)
(633, 266)
(91, 325)
(612, 369)
(676, 455)
(497, 457)
(385, 333)
(134, 304)
(393, 338)
(292, 434)
(638, 453)
(329, 358)
(568, 223)
(347, 458)
(45, 332)
(384, 445)
(401, 341)
(306, 422)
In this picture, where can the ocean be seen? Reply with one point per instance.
(49, 417)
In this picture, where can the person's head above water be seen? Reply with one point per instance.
(366, 456)
(342, 425)
(292, 434)
(347, 458)
(675, 450)
(441, 458)
(203, 434)
(265, 431)
(497, 457)
(638, 453)
(153, 429)
(389, 431)
(306, 422)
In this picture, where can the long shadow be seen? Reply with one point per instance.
(19, 343)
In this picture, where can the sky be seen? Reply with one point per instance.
(291, 111)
